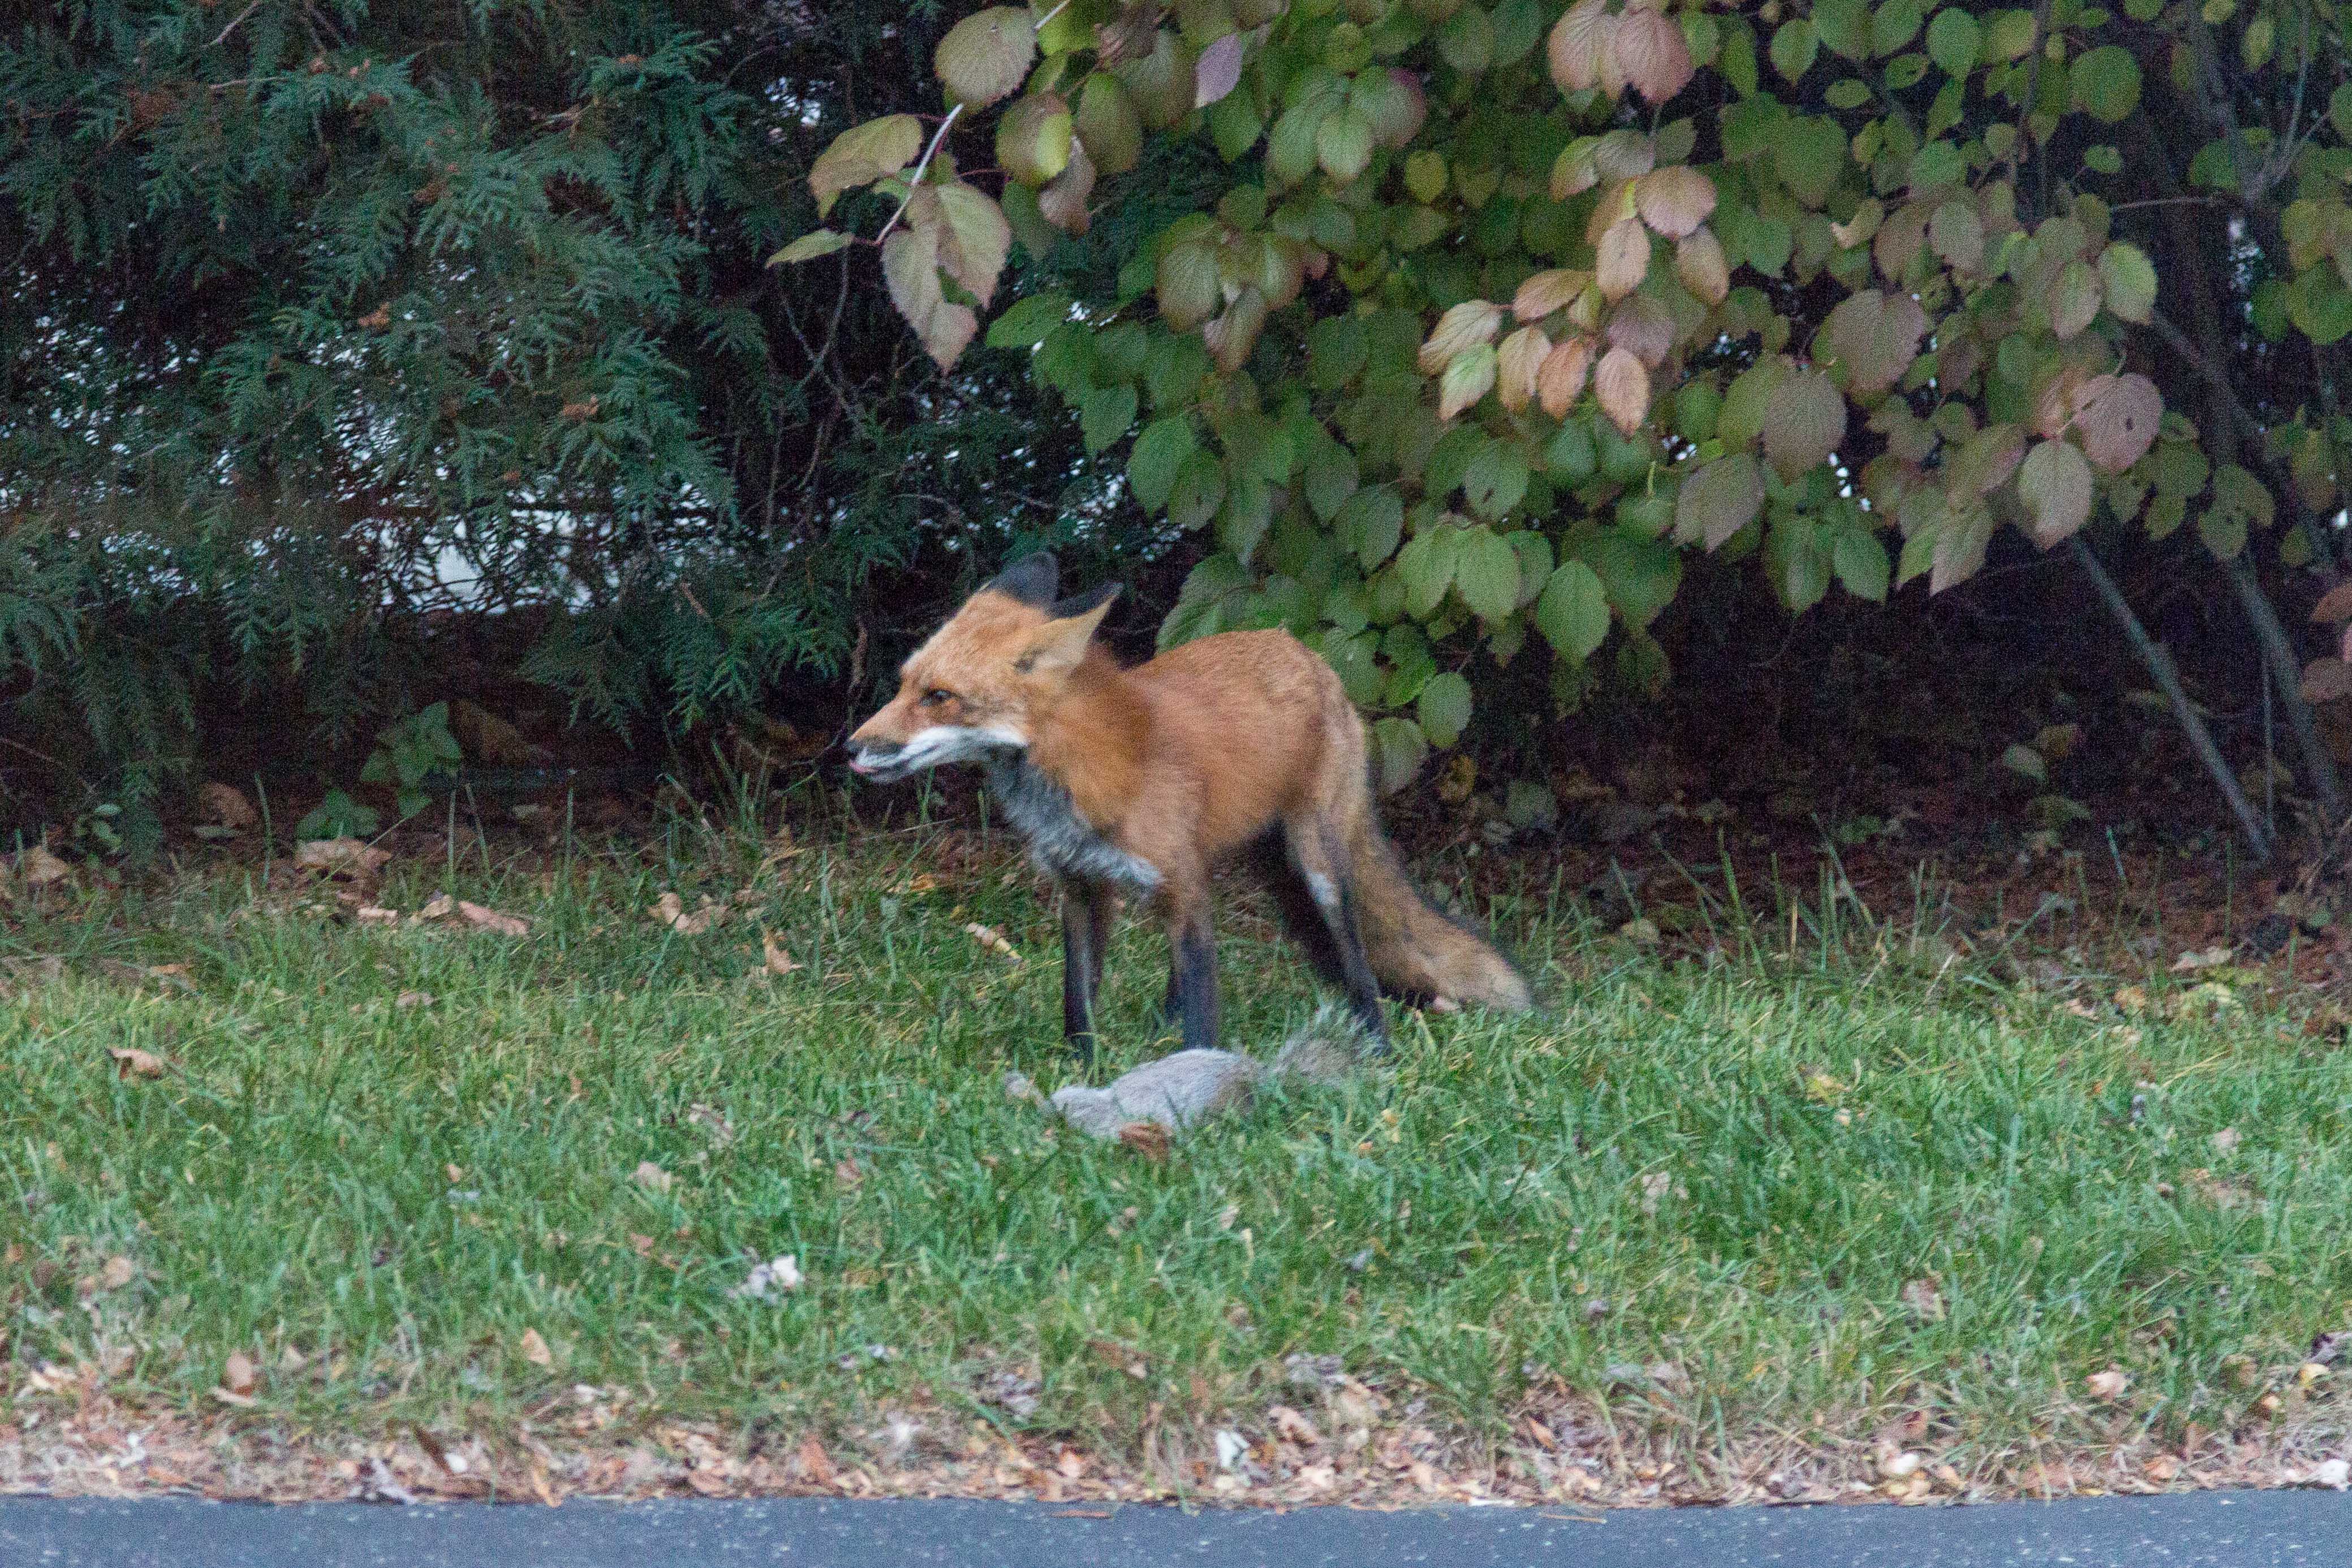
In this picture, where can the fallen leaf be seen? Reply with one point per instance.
(1292, 1428)
(1924, 1299)
(440, 906)
(226, 805)
(238, 1376)
(713, 1121)
(131, 1062)
(534, 1349)
(2112, 1384)
(1071, 1464)
(119, 1271)
(493, 920)
(994, 940)
(2224, 1140)
(2162, 1468)
(2207, 958)
(413, 999)
(39, 867)
(847, 1174)
(652, 1177)
(815, 1464)
(340, 857)
(1148, 1138)
(2331, 1473)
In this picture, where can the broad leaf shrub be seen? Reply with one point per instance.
(1504, 311)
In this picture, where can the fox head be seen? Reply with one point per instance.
(974, 692)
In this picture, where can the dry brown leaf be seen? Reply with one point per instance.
(2118, 417)
(1559, 380)
(1148, 1138)
(2112, 1384)
(1579, 44)
(39, 867)
(1700, 263)
(652, 1177)
(131, 1062)
(226, 805)
(1624, 387)
(1653, 54)
(1675, 200)
(847, 1174)
(340, 857)
(119, 1271)
(994, 940)
(413, 999)
(1070, 1464)
(376, 915)
(1461, 329)
(1624, 258)
(815, 1464)
(1924, 1299)
(238, 1376)
(1291, 1426)
(2325, 679)
(1517, 365)
(1556, 289)
(2336, 605)
(440, 906)
(534, 1349)
(493, 920)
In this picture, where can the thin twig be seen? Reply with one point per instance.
(915, 181)
(2168, 680)
(237, 22)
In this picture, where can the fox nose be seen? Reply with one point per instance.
(870, 757)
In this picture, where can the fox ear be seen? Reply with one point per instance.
(1060, 644)
(1092, 598)
(1034, 580)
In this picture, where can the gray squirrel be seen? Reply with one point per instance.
(1181, 1091)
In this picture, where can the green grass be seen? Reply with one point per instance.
(1735, 1169)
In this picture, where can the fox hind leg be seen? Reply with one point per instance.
(1328, 874)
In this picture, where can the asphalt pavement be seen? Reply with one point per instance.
(2208, 1530)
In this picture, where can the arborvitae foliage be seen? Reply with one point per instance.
(325, 317)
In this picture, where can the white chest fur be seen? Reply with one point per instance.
(1061, 842)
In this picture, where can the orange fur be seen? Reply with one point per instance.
(1184, 762)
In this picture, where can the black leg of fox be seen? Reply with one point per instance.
(1195, 980)
(1085, 930)
(1330, 877)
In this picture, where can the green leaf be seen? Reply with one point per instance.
(1444, 707)
(1795, 46)
(1810, 156)
(1486, 575)
(1331, 478)
(1845, 27)
(2106, 83)
(1335, 351)
(1426, 566)
(1399, 749)
(1108, 125)
(1860, 561)
(1893, 25)
(986, 55)
(809, 246)
(1199, 492)
(1026, 322)
(1104, 414)
(1639, 575)
(2224, 532)
(2129, 279)
(1496, 480)
(863, 154)
(1954, 41)
(1247, 513)
(2339, 110)
(1159, 455)
(1573, 612)
(1719, 500)
(1371, 524)
(1343, 144)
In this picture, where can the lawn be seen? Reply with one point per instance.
(429, 1205)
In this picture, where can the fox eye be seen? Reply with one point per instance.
(936, 696)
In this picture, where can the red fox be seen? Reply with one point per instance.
(1240, 746)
